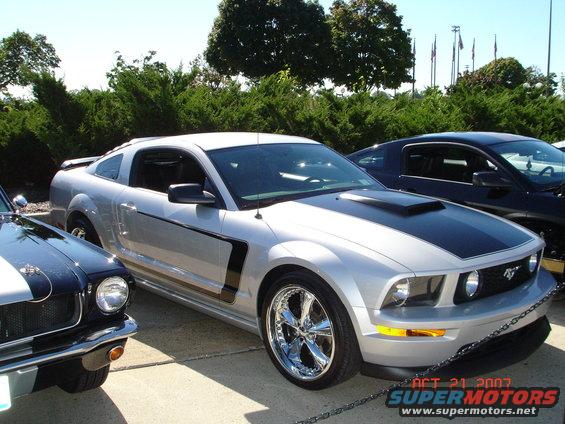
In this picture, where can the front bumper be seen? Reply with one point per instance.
(30, 369)
(464, 324)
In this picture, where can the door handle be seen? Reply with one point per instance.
(128, 206)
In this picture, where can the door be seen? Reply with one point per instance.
(446, 171)
(178, 245)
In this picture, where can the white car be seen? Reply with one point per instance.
(286, 238)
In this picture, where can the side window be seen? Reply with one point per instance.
(109, 168)
(445, 163)
(158, 169)
(375, 159)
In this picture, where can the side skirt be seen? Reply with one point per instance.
(222, 315)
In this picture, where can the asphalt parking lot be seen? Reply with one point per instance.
(184, 367)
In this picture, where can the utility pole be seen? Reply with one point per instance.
(549, 46)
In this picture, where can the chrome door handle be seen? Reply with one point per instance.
(128, 206)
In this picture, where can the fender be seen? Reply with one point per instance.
(327, 265)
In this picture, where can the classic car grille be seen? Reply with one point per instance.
(27, 319)
(494, 280)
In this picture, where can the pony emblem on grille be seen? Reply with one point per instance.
(510, 272)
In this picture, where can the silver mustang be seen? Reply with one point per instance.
(286, 238)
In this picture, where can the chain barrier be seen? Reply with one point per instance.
(433, 368)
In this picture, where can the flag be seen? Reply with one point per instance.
(473, 50)
(460, 42)
(495, 48)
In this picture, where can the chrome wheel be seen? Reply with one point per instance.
(300, 333)
(79, 233)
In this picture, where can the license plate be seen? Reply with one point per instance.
(5, 400)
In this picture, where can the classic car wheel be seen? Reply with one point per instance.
(86, 380)
(83, 229)
(307, 332)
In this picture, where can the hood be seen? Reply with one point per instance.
(27, 243)
(416, 231)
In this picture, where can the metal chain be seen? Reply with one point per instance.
(445, 362)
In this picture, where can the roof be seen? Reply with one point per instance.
(220, 140)
(471, 137)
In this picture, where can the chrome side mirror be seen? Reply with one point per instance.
(20, 201)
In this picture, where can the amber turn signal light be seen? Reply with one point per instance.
(402, 332)
(115, 353)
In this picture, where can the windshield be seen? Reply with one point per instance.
(270, 173)
(542, 163)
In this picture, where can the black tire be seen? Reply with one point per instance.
(86, 380)
(81, 223)
(347, 357)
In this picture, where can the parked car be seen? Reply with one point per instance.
(519, 178)
(284, 237)
(560, 145)
(62, 303)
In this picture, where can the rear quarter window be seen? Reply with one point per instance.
(109, 168)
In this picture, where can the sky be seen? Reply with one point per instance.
(86, 34)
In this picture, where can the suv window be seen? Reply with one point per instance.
(109, 168)
(445, 163)
(374, 159)
(158, 169)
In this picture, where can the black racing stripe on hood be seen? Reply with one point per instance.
(462, 232)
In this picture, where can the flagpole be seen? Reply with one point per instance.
(473, 54)
(458, 54)
(549, 44)
(432, 66)
(435, 58)
(455, 29)
(413, 67)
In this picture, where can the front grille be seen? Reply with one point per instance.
(27, 319)
(494, 280)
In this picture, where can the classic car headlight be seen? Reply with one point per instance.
(112, 294)
(419, 291)
(533, 262)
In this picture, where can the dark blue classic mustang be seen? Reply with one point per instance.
(519, 178)
(62, 303)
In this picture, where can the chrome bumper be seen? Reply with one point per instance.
(87, 342)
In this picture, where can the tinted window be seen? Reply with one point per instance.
(271, 173)
(110, 168)
(539, 161)
(374, 159)
(445, 163)
(158, 169)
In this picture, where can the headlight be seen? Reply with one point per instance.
(112, 294)
(419, 291)
(533, 263)
(472, 283)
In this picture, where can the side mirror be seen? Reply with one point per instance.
(20, 201)
(490, 179)
(190, 194)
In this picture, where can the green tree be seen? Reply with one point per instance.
(261, 37)
(370, 48)
(22, 57)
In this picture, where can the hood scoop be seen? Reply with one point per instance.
(394, 201)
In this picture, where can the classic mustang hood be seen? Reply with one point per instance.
(406, 228)
(26, 242)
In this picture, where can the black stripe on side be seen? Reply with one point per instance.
(235, 263)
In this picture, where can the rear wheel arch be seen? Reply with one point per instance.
(78, 218)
